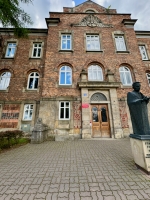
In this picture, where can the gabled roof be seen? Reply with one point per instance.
(89, 5)
(90, 1)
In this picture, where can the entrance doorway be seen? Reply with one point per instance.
(100, 121)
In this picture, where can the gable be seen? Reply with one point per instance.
(89, 6)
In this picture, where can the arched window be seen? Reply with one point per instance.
(125, 76)
(4, 80)
(33, 81)
(65, 76)
(95, 73)
(98, 97)
(90, 11)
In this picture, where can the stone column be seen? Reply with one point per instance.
(118, 132)
(86, 127)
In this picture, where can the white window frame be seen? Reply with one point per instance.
(11, 49)
(143, 52)
(66, 70)
(30, 109)
(64, 107)
(120, 43)
(148, 78)
(37, 48)
(124, 72)
(5, 80)
(95, 73)
(93, 41)
(66, 40)
(34, 79)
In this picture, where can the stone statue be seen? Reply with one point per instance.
(137, 103)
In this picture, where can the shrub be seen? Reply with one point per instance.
(9, 138)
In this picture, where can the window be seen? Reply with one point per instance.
(92, 43)
(36, 52)
(95, 73)
(33, 81)
(4, 80)
(120, 43)
(64, 110)
(90, 11)
(65, 77)
(28, 111)
(125, 76)
(66, 42)
(143, 52)
(148, 78)
(10, 51)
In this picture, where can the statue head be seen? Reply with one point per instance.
(39, 120)
(136, 86)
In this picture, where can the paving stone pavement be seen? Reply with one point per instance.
(74, 170)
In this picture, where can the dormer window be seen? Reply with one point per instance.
(90, 11)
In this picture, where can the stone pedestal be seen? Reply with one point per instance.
(140, 145)
(39, 133)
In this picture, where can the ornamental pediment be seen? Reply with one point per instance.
(92, 21)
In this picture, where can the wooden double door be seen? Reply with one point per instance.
(100, 121)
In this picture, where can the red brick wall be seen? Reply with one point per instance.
(79, 58)
(20, 67)
(123, 114)
(10, 116)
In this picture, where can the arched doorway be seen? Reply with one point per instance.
(99, 116)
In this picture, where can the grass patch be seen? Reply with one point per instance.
(13, 142)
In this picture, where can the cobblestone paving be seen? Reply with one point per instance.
(75, 170)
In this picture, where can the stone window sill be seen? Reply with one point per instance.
(5, 58)
(126, 86)
(26, 120)
(145, 60)
(27, 90)
(4, 90)
(123, 52)
(64, 120)
(100, 51)
(66, 51)
(65, 86)
(31, 58)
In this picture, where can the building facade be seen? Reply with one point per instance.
(75, 74)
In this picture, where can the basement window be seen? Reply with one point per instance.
(64, 110)
(28, 112)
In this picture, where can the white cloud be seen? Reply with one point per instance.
(57, 5)
(73, 3)
(100, 2)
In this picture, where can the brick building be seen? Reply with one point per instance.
(75, 74)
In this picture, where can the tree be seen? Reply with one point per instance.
(11, 15)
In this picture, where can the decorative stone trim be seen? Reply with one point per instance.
(92, 21)
(97, 84)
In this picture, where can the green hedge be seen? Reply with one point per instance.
(10, 138)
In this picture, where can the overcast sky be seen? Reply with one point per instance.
(140, 9)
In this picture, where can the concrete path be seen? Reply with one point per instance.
(75, 170)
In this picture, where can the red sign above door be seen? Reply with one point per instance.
(85, 105)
